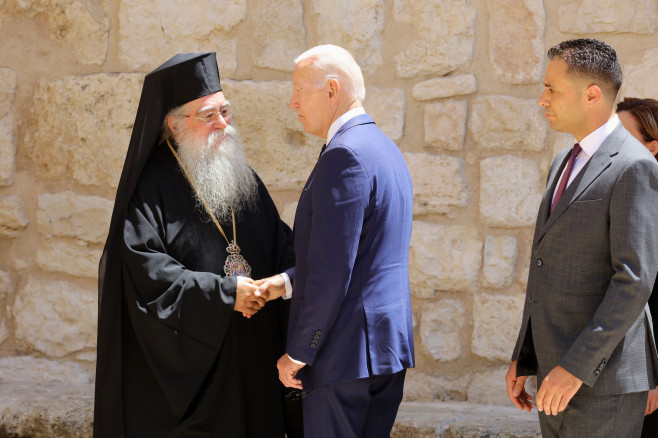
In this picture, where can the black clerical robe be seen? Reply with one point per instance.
(191, 365)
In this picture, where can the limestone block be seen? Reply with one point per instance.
(288, 214)
(603, 16)
(71, 215)
(82, 26)
(7, 150)
(386, 106)
(73, 258)
(464, 420)
(423, 387)
(444, 36)
(274, 139)
(6, 284)
(510, 191)
(516, 40)
(83, 126)
(152, 31)
(505, 122)
(641, 80)
(441, 326)
(448, 86)
(500, 254)
(486, 385)
(8, 84)
(12, 216)
(37, 370)
(445, 124)
(561, 140)
(497, 319)
(439, 182)
(55, 317)
(283, 19)
(356, 26)
(444, 257)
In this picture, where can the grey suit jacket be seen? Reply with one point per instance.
(594, 261)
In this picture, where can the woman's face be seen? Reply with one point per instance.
(633, 126)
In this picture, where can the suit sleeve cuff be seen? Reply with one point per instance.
(295, 361)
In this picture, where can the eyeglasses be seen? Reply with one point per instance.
(211, 116)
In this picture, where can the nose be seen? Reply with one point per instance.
(221, 122)
(293, 102)
(543, 100)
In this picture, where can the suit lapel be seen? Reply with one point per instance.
(600, 161)
(545, 205)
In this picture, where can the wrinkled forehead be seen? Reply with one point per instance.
(214, 100)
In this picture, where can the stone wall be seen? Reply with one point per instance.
(453, 82)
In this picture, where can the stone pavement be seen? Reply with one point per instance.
(44, 398)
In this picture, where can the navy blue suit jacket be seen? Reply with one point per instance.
(350, 314)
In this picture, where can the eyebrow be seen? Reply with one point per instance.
(212, 107)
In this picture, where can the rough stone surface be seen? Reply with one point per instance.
(445, 124)
(641, 80)
(12, 216)
(83, 126)
(8, 82)
(445, 36)
(596, 16)
(75, 258)
(430, 269)
(72, 215)
(174, 26)
(422, 387)
(55, 317)
(6, 284)
(356, 26)
(463, 420)
(448, 86)
(283, 18)
(497, 319)
(275, 143)
(4, 332)
(505, 122)
(37, 370)
(488, 387)
(500, 254)
(81, 26)
(516, 40)
(441, 326)
(510, 191)
(439, 182)
(387, 108)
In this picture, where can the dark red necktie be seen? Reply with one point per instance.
(567, 173)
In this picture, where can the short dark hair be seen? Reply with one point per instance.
(645, 112)
(591, 59)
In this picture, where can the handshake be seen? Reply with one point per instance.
(251, 295)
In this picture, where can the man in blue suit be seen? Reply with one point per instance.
(350, 336)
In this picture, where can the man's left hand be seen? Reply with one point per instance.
(288, 371)
(557, 390)
(652, 401)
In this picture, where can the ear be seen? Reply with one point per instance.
(593, 94)
(170, 123)
(653, 147)
(333, 88)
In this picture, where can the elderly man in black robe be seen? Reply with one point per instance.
(192, 223)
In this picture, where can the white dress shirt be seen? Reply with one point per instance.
(589, 145)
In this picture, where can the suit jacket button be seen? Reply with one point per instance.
(316, 337)
(597, 372)
(539, 262)
(318, 332)
(314, 346)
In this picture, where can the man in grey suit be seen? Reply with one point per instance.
(585, 331)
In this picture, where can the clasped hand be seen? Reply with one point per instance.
(251, 295)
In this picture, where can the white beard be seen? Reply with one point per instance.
(220, 172)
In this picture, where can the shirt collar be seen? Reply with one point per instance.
(340, 121)
(594, 139)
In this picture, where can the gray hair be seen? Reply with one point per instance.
(333, 62)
